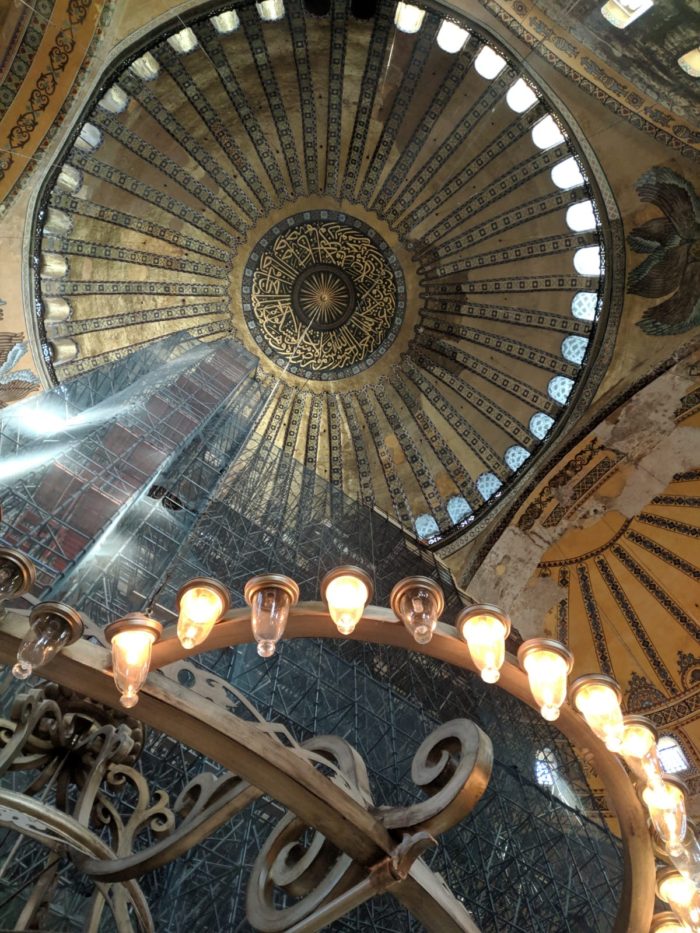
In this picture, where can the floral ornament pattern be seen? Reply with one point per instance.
(672, 245)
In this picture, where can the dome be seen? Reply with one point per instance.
(381, 215)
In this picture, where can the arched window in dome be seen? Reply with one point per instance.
(573, 348)
(583, 305)
(546, 767)
(270, 10)
(587, 260)
(520, 96)
(567, 174)
(184, 41)
(540, 425)
(488, 63)
(488, 484)
(580, 217)
(426, 527)
(458, 508)
(451, 37)
(559, 389)
(546, 133)
(226, 22)
(671, 755)
(408, 18)
(515, 456)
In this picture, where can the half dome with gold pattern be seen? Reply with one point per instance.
(392, 215)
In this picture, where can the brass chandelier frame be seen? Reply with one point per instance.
(315, 800)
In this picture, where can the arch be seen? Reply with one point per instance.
(559, 389)
(671, 755)
(458, 508)
(488, 63)
(515, 456)
(451, 38)
(184, 41)
(146, 67)
(573, 348)
(270, 10)
(546, 133)
(520, 96)
(545, 767)
(226, 22)
(541, 425)
(408, 18)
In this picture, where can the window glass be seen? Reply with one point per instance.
(540, 424)
(489, 63)
(546, 133)
(567, 174)
(580, 217)
(559, 389)
(515, 456)
(587, 260)
(451, 37)
(671, 755)
(458, 508)
(426, 526)
(583, 305)
(545, 767)
(488, 484)
(520, 96)
(573, 348)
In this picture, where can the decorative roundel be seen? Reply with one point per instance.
(323, 295)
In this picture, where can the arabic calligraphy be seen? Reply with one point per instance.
(321, 297)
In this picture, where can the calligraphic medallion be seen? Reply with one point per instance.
(323, 295)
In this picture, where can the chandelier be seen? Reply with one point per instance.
(206, 622)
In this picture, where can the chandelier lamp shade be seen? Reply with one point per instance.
(597, 697)
(485, 630)
(346, 591)
(132, 639)
(270, 598)
(200, 603)
(548, 665)
(52, 626)
(206, 621)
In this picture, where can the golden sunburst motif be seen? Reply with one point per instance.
(324, 297)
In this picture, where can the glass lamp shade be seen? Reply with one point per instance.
(270, 598)
(597, 697)
(346, 590)
(418, 602)
(201, 603)
(665, 802)
(638, 749)
(132, 639)
(667, 922)
(547, 664)
(485, 629)
(17, 573)
(681, 894)
(52, 626)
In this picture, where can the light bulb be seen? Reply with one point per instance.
(597, 697)
(418, 602)
(201, 604)
(270, 598)
(485, 629)
(346, 590)
(547, 664)
(132, 639)
(638, 749)
(665, 802)
(17, 573)
(52, 626)
(681, 894)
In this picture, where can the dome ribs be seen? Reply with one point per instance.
(268, 80)
(533, 209)
(246, 114)
(165, 202)
(216, 125)
(307, 97)
(336, 70)
(371, 80)
(442, 450)
(108, 215)
(364, 474)
(397, 490)
(71, 328)
(451, 83)
(516, 177)
(477, 444)
(419, 467)
(487, 407)
(424, 44)
(209, 165)
(505, 381)
(454, 142)
(505, 314)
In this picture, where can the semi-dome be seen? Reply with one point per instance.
(402, 226)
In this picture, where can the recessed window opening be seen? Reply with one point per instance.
(567, 174)
(671, 755)
(540, 425)
(451, 38)
(587, 260)
(584, 305)
(581, 217)
(520, 96)
(546, 133)
(488, 63)
(573, 348)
